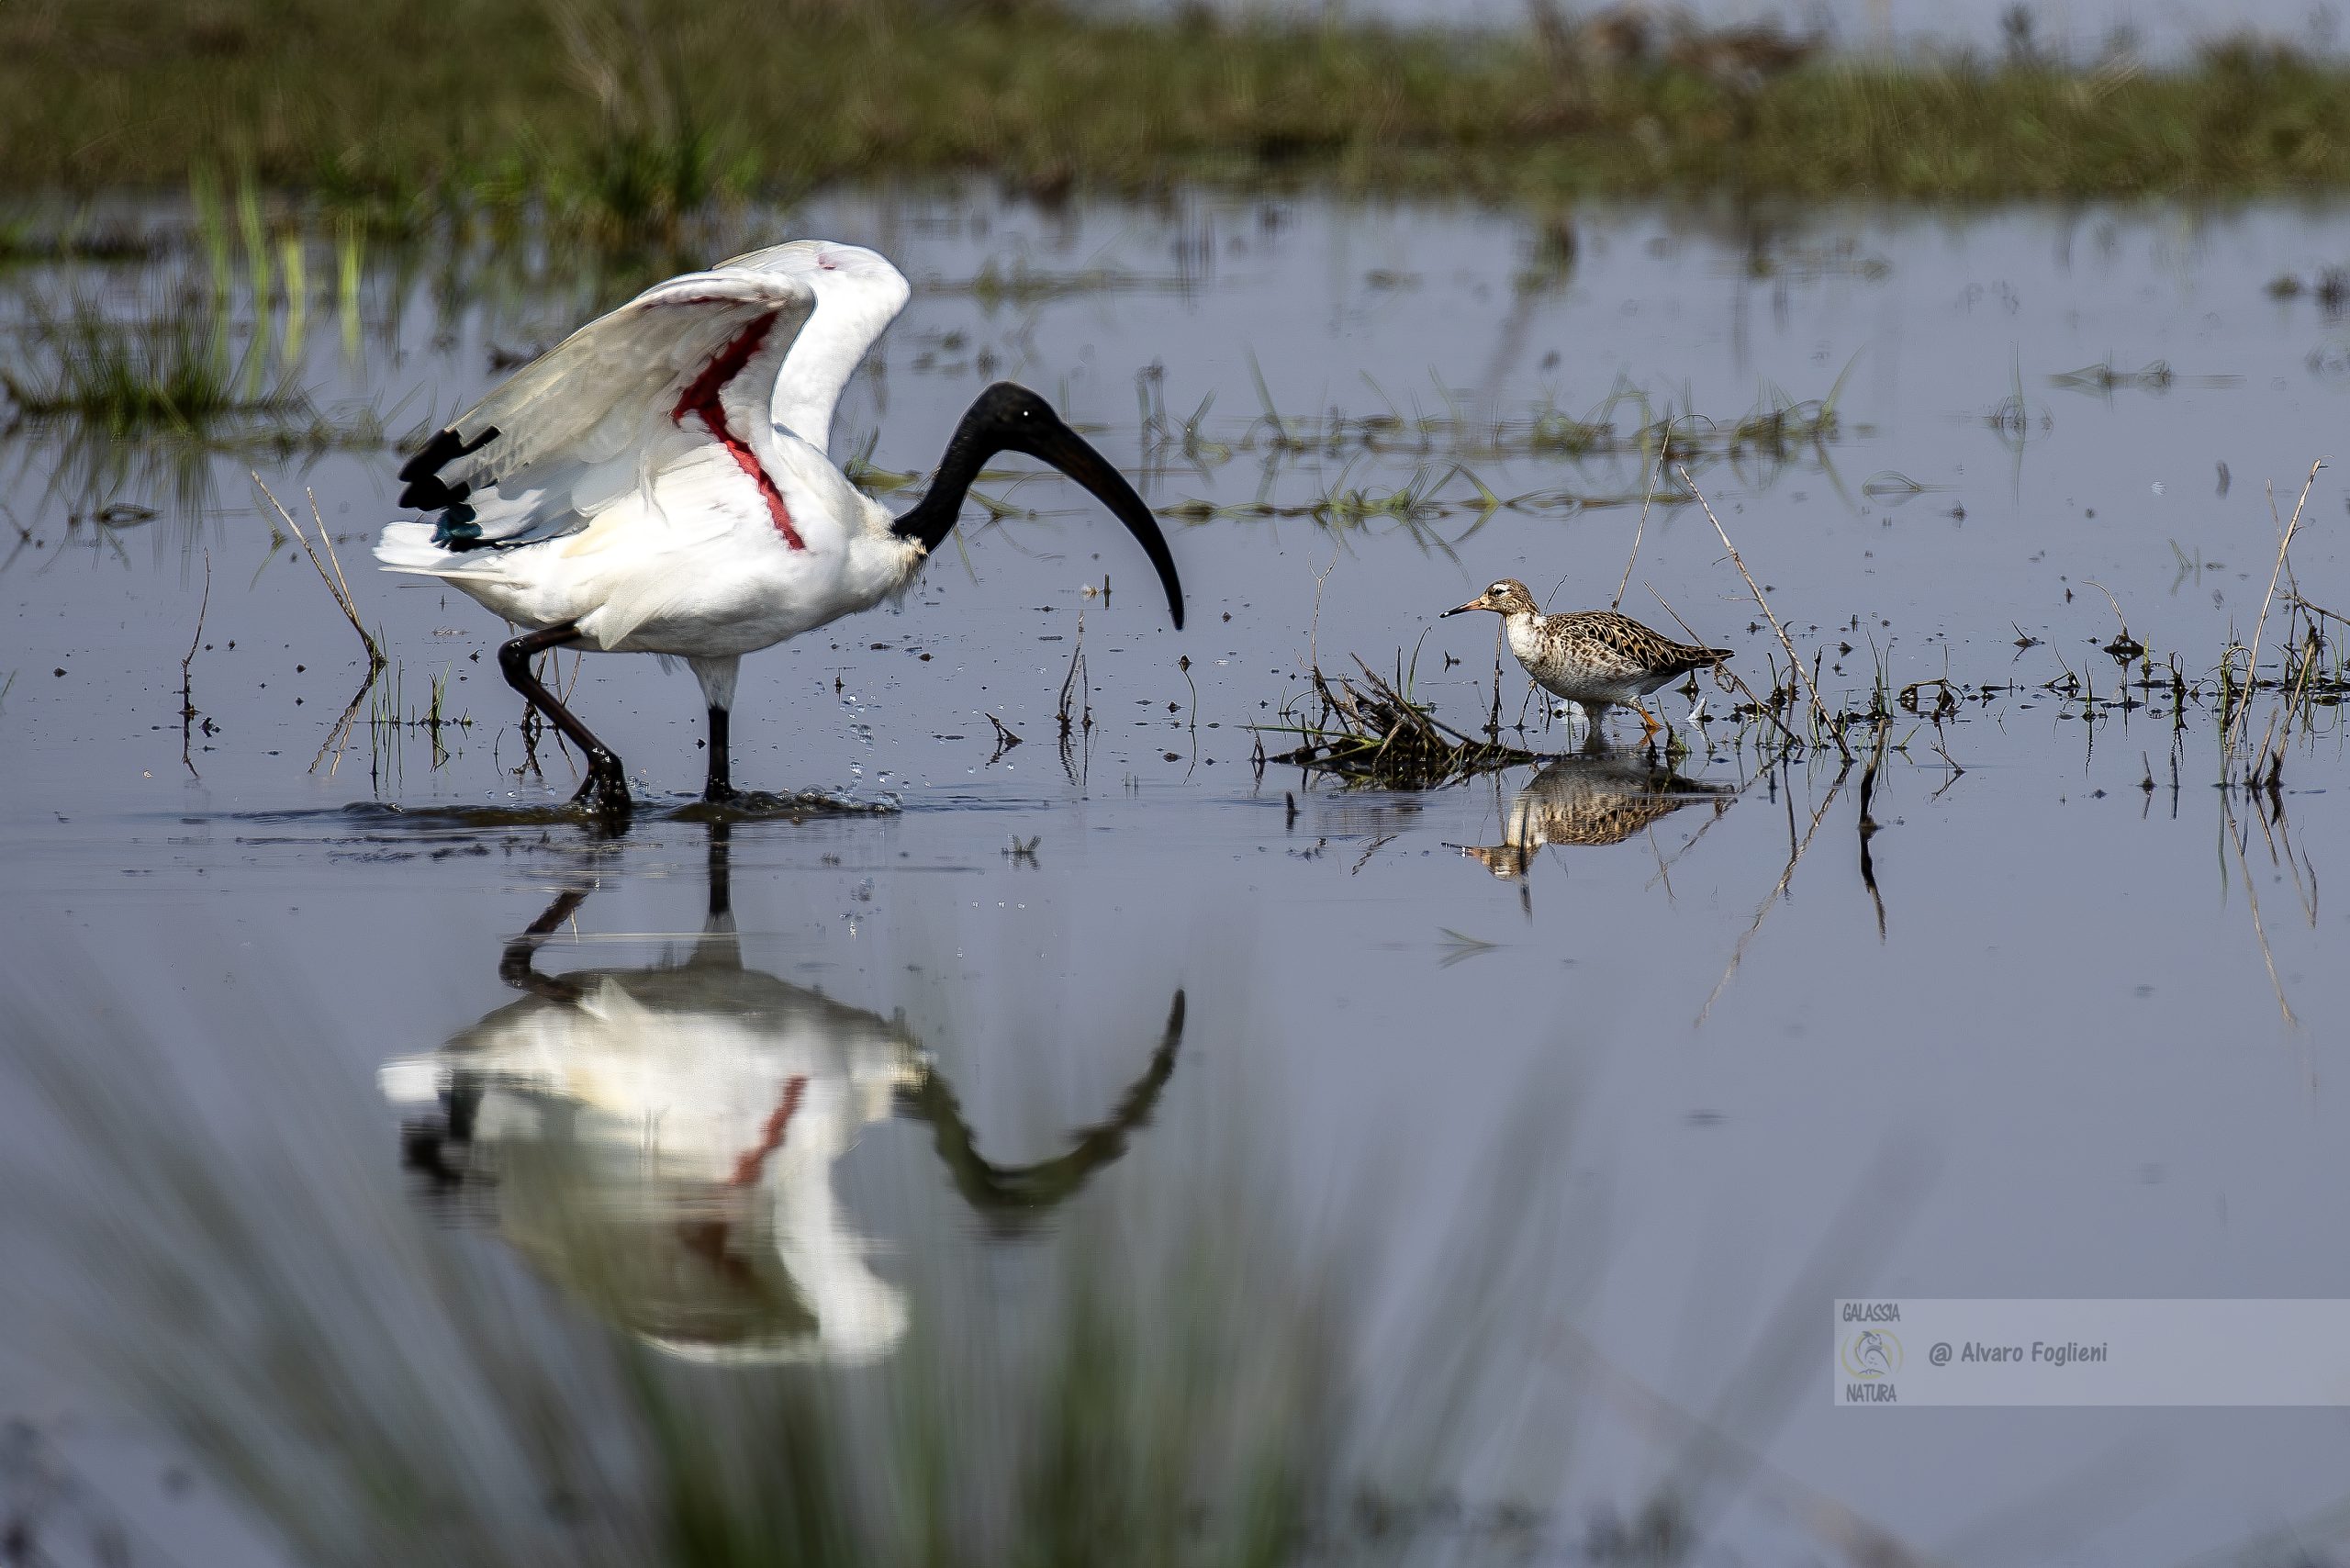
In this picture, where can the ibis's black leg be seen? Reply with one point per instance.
(721, 787)
(605, 781)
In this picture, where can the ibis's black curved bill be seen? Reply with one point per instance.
(1009, 417)
(1073, 456)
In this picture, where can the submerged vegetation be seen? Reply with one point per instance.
(173, 372)
(127, 370)
(593, 107)
(116, 404)
(1777, 432)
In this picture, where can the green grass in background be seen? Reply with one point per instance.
(634, 113)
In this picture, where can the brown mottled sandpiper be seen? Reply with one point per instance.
(1594, 658)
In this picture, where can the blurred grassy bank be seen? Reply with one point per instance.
(638, 110)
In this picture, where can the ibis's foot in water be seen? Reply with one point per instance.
(606, 789)
(607, 786)
(720, 790)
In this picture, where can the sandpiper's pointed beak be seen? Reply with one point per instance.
(1073, 456)
(1476, 603)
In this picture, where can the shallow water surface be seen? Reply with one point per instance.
(2050, 1015)
(2166, 30)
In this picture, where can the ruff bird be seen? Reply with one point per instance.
(1593, 658)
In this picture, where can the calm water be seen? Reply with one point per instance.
(2080, 1039)
(2162, 29)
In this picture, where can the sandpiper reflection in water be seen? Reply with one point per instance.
(1591, 799)
(660, 1141)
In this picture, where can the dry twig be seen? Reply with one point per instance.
(2284, 548)
(335, 585)
(1819, 709)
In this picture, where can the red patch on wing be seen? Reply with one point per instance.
(746, 1169)
(701, 397)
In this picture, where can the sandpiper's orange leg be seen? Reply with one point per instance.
(1653, 726)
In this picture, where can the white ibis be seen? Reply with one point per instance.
(657, 483)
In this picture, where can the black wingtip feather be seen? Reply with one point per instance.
(432, 493)
(446, 447)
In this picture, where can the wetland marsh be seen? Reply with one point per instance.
(1464, 1150)
(621, 118)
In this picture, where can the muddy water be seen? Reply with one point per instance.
(2078, 1038)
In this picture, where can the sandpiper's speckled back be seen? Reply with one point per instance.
(1593, 657)
(1598, 657)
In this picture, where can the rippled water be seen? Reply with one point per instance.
(2062, 1026)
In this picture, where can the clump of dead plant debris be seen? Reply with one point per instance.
(1368, 731)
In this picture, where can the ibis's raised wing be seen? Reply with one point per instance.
(859, 294)
(620, 383)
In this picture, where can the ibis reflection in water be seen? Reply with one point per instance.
(660, 1141)
(1591, 799)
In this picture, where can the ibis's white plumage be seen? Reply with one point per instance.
(659, 479)
(860, 294)
(658, 482)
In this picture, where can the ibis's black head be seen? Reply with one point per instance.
(1010, 417)
(1011, 410)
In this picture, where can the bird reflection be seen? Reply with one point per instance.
(660, 1142)
(1592, 798)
